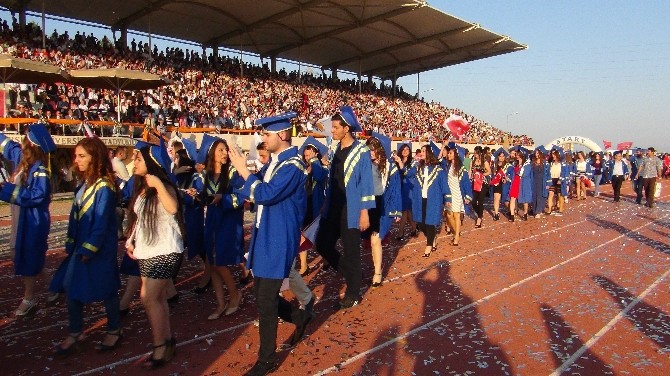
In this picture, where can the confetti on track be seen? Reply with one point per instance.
(586, 293)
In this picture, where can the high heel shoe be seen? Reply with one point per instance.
(217, 315)
(496, 216)
(203, 289)
(478, 224)
(101, 347)
(153, 363)
(524, 217)
(62, 352)
(29, 306)
(230, 310)
(376, 284)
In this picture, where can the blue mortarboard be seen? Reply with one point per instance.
(561, 152)
(39, 136)
(323, 149)
(542, 149)
(404, 142)
(205, 145)
(436, 149)
(500, 151)
(350, 118)
(277, 123)
(190, 147)
(451, 145)
(459, 149)
(141, 144)
(160, 155)
(386, 143)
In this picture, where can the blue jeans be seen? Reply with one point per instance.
(75, 310)
(596, 182)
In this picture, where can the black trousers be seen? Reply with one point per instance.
(429, 230)
(332, 227)
(478, 202)
(649, 185)
(637, 187)
(270, 307)
(617, 181)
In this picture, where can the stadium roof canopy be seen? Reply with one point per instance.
(382, 38)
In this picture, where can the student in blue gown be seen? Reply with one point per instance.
(29, 192)
(386, 183)
(191, 184)
(429, 194)
(224, 234)
(405, 155)
(539, 189)
(92, 272)
(557, 178)
(156, 241)
(525, 194)
(314, 154)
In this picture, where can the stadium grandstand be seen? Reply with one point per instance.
(380, 39)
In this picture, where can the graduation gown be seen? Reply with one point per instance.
(275, 242)
(319, 176)
(565, 178)
(525, 184)
(194, 217)
(358, 184)
(436, 197)
(92, 232)
(224, 232)
(391, 200)
(406, 186)
(33, 197)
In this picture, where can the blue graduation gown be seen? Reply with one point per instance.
(610, 168)
(436, 197)
(406, 186)
(526, 184)
(391, 200)
(566, 177)
(33, 197)
(224, 232)
(194, 217)
(357, 183)
(274, 244)
(92, 232)
(319, 176)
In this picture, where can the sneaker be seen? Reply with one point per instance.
(558, 214)
(348, 302)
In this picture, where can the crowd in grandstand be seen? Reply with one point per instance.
(218, 93)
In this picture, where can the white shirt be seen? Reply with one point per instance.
(424, 188)
(618, 168)
(167, 239)
(266, 178)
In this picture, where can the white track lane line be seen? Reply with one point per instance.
(372, 350)
(592, 341)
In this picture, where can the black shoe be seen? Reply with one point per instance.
(300, 326)
(124, 312)
(401, 238)
(203, 289)
(524, 217)
(261, 369)
(348, 302)
(511, 219)
(63, 352)
(100, 346)
(309, 307)
(152, 363)
(415, 234)
(496, 216)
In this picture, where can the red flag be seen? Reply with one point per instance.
(624, 145)
(457, 125)
(607, 144)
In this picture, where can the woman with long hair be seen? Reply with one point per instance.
(597, 169)
(557, 178)
(386, 182)
(459, 191)
(224, 233)
(582, 173)
(428, 196)
(480, 172)
(405, 155)
(92, 272)
(29, 190)
(500, 182)
(313, 152)
(156, 241)
(525, 194)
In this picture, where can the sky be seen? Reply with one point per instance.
(596, 69)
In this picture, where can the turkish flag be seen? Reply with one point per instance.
(607, 144)
(457, 125)
(624, 145)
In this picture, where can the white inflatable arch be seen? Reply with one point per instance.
(575, 140)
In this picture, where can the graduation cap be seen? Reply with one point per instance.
(350, 118)
(436, 149)
(386, 143)
(560, 150)
(451, 145)
(459, 149)
(500, 151)
(39, 136)
(404, 142)
(141, 144)
(205, 146)
(277, 123)
(541, 149)
(157, 152)
(190, 147)
(323, 149)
